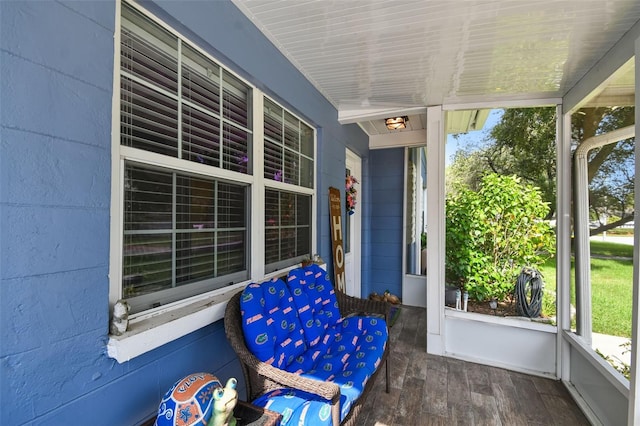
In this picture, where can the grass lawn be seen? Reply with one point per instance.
(611, 287)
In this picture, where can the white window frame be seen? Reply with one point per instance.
(280, 186)
(155, 327)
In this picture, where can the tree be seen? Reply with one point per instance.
(523, 143)
(492, 233)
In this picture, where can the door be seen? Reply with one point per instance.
(353, 226)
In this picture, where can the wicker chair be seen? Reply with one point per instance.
(261, 377)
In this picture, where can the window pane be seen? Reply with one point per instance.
(287, 243)
(287, 139)
(306, 172)
(148, 119)
(231, 206)
(148, 51)
(291, 132)
(272, 208)
(288, 228)
(231, 252)
(303, 210)
(181, 229)
(235, 103)
(147, 258)
(291, 167)
(195, 253)
(272, 246)
(272, 121)
(306, 140)
(287, 209)
(200, 137)
(195, 203)
(147, 199)
(272, 161)
(146, 264)
(303, 242)
(201, 81)
(236, 149)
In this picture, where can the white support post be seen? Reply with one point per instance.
(435, 229)
(581, 242)
(563, 240)
(633, 417)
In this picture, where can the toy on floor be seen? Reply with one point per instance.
(189, 402)
(225, 401)
(386, 297)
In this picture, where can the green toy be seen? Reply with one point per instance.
(225, 401)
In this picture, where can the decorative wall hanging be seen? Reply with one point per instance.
(351, 194)
(335, 213)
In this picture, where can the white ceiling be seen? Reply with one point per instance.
(387, 56)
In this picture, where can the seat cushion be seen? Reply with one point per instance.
(271, 327)
(298, 407)
(355, 344)
(348, 355)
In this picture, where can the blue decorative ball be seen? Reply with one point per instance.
(189, 401)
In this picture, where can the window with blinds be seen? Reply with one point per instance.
(183, 233)
(185, 166)
(288, 158)
(176, 102)
(179, 230)
(287, 228)
(288, 147)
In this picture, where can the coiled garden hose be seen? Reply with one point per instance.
(528, 293)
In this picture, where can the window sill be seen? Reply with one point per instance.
(151, 332)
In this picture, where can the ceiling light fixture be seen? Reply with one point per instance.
(396, 123)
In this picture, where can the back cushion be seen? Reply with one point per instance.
(325, 300)
(272, 330)
(315, 300)
(313, 328)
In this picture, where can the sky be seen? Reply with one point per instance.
(473, 137)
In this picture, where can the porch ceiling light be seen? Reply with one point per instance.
(396, 123)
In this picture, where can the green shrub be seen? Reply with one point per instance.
(492, 233)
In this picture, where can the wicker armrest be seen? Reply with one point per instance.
(327, 390)
(350, 305)
(233, 329)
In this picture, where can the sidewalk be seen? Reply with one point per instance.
(610, 345)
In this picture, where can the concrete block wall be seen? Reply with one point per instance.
(55, 160)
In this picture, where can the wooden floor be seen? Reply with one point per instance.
(433, 390)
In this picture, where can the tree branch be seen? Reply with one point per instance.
(608, 226)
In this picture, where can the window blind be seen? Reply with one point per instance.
(203, 218)
(287, 228)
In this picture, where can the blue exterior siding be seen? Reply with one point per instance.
(55, 161)
(383, 229)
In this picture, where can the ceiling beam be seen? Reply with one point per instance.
(355, 114)
(398, 139)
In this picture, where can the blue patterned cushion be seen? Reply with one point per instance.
(272, 330)
(348, 355)
(312, 326)
(316, 301)
(297, 407)
(325, 301)
(297, 327)
(355, 344)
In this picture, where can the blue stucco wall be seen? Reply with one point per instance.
(382, 232)
(56, 95)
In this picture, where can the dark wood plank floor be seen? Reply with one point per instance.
(433, 390)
